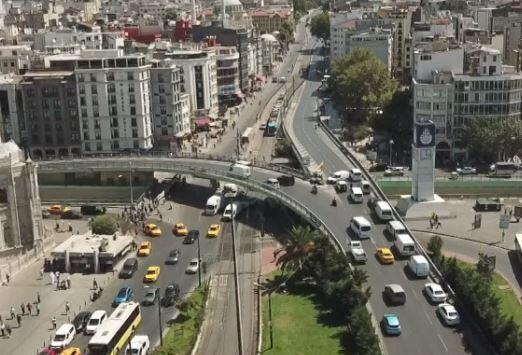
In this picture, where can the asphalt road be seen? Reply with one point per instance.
(421, 328)
(161, 246)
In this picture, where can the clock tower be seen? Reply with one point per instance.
(423, 162)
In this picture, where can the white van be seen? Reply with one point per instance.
(97, 318)
(63, 336)
(395, 228)
(355, 174)
(230, 211)
(241, 170)
(273, 183)
(404, 245)
(419, 266)
(139, 345)
(338, 175)
(213, 205)
(361, 227)
(366, 187)
(356, 195)
(383, 211)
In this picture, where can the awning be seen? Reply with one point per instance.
(202, 121)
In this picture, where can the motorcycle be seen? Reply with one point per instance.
(96, 294)
(334, 202)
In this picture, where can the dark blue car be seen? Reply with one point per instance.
(125, 295)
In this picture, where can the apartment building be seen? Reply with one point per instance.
(15, 59)
(227, 67)
(113, 99)
(67, 40)
(377, 40)
(268, 20)
(12, 124)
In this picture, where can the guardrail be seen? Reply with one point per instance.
(171, 156)
(435, 273)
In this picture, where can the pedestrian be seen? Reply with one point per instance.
(2, 328)
(94, 284)
(170, 206)
(19, 320)
(9, 330)
(53, 322)
(13, 312)
(41, 273)
(70, 228)
(436, 219)
(68, 281)
(431, 223)
(37, 297)
(22, 307)
(7, 278)
(38, 309)
(67, 307)
(57, 226)
(29, 308)
(439, 225)
(161, 217)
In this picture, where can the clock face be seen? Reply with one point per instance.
(424, 134)
(426, 137)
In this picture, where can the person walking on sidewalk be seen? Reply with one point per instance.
(68, 281)
(29, 308)
(37, 297)
(67, 307)
(2, 328)
(19, 320)
(53, 322)
(94, 284)
(13, 314)
(7, 278)
(8, 330)
(22, 307)
(41, 273)
(38, 309)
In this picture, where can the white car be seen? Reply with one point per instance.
(272, 182)
(467, 170)
(357, 252)
(394, 171)
(448, 313)
(63, 336)
(435, 293)
(193, 266)
(97, 319)
(139, 345)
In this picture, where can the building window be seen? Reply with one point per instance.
(134, 122)
(99, 147)
(131, 87)
(94, 89)
(136, 144)
(130, 76)
(134, 133)
(164, 131)
(133, 110)
(93, 77)
(87, 147)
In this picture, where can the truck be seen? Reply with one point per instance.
(213, 205)
(241, 170)
(357, 252)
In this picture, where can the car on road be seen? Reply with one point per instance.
(214, 231)
(357, 252)
(394, 294)
(273, 182)
(125, 295)
(435, 293)
(274, 79)
(191, 237)
(390, 324)
(171, 296)
(385, 256)
(71, 351)
(93, 210)
(173, 257)
(129, 268)
(152, 230)
(262, 126)
(139, 345)
(55, 209)
(282, 79)
(286, 180)
(193, 266)
(152, 274)
(151, 296)
(378, 167)
(63, 336)
(80, 321)
(97, 319)
(145, 249)
(71, 214)
(180, 230)
(341, 186)
(394, 171)
(448, 313)
(466, 170)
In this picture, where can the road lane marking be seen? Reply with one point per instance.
(443, 344)
(429, 318)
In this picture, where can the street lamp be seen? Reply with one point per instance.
(199, 261)
(391, 147)
(130, 184)
(159, 312)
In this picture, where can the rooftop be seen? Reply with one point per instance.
(78, 245)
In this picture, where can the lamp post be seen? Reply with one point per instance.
(391, 147)
(159, 313)
(130, 184)
(199, 261)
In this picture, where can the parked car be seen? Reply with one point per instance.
(55, 209)
(151, 296)
(173, 257)
(80, 321)
(467, 170)
(171, 295)
(448, 314)
(46, 214)
(125, 295)
(191, 237)
(391, 325)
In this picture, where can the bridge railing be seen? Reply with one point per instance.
(168, 155)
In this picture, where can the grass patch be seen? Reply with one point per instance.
(182, 334)
(299, 327)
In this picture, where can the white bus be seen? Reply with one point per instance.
(114, 334)
(518, 246)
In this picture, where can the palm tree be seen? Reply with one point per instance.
(298, 246)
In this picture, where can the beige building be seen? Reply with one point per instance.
(268, 20)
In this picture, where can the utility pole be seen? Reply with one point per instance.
(236, 285)
(199, 263)
(237, 144)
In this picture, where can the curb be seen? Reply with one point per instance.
(493, 245)
(205, 318)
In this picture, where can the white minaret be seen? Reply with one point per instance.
(2, 14)
(223, 12)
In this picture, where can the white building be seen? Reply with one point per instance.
(437, 56)
(68, 40)
(377, 40)
(199, 79)
(227, 66)
(15, 59)
(170, 106)
(342, 25)
(113, 99)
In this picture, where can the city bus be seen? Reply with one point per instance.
(114, 334)
(503, 169)
(518, 246)
(246, 137)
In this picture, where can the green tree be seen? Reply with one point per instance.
(492, 139)
(286, 34)
(320, 26)
(104, 224)
(486, 265)
(361, 86)
(361, 333)
(298, 245)
(435, 248)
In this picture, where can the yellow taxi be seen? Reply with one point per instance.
(55, 209)
(145, 249)
(71, 351)
(214, 231)
(152, 274)
(180, 230)
(152, 230)
(385, 255)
